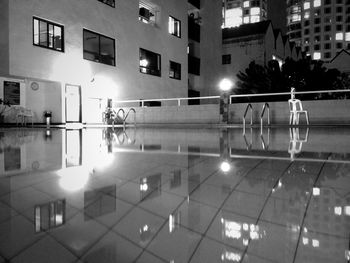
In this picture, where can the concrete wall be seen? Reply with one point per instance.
(4, 39)
(320, 112)
(124, 81)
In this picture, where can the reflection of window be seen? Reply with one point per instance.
(12, 159)
(226, 59)
(147, 12)
(175, 70)
(50, 215)
(108, 2)
(47, 34)
(150, 62)
(99, 202)
(150, 186)
(98, 48)
(174, 26)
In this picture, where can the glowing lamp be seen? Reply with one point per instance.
(225, 85)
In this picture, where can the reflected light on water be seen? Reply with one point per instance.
(225, 167)
(74, 178)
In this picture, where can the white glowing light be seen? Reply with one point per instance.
(347, 36)
(306, 5)
(225, 85)
(143, 62)
(347, 255)
(233, 17)
(73, 178)
(347, 210)
(339, 36)
(305, 240)
(317, 3)
(225, 167)
(144, 187)
(232, 229)
(316, 191)
(338, 210)
(245, 242)
(246, 3)
(245, 227)
(315, 243)
(231, 256)
(255, 11)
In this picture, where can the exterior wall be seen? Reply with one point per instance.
(279, 47)
(4, 39)
(341, 62)
(124, 81)
(269, 45)
(211, 46)
(287, 50)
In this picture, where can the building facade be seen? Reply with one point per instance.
(239, 12)
(320, 27)
(73, 56)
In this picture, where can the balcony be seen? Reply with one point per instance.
(194, 30)
(194, 64)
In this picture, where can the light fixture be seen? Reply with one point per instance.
(225, 85)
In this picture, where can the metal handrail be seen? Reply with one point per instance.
(127, 114)
(120, 110)
(266, 105)
(249, 106)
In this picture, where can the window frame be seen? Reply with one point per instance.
(226, 59)
(175, 20)
(179, 72)
(111, 5)
(47, 34)
(99, 47)
(153, 72)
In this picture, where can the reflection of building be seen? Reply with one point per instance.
(50, 215)
(43, 47)
(320, 27)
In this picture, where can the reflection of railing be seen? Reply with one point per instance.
(296, 142)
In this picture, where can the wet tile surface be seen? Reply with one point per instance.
(172, 196)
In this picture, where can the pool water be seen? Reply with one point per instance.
(175, 195)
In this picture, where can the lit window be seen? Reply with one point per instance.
(255, 11)
(339, 36)
(317, 3)
(174, 26)
(315, 243)
(246, 20)
(233, 17)
(255, 19)
(98, 48)
(306, 5)
(246, 4)
(347, 36)
(296, 17)
(175, 70)
(47, 34)
(307, 15)
(150, 62)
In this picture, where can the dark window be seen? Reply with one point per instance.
(226, 59)
(306, 22)
(327, 54)
(317, 20)
(327, 28)
(174, 26)
(339, 1)
(175, 70)
(98, 48)
(317, 29)
(306, 31)
(150, 62)
(339, 45)
(327, 2)
(307, 49)
(47, 34)
(147, 14)
(339, 9)
(327, 37)
(12, 92)
(339, 27)
(194, 29)
(327, 46)
(194, 64)
(327, 10)
(317, 47)
(317, 38)
(108, 2)
(339, 18)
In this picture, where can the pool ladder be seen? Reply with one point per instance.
(125, 116)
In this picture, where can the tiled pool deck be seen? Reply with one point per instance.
(174, 196)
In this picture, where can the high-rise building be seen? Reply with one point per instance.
(320, 27)
(238, 12)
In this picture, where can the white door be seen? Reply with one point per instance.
(73, 103)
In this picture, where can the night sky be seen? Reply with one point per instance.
(276, 12)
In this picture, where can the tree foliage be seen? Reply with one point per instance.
(304, 75)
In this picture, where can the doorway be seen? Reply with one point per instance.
(73, 103)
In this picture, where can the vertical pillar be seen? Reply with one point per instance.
(224, 102)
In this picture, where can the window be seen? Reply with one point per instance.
(98, 48)
(339, 45)
(147, 12)
(150, 62)
(12, 92)
(317, 3)
(327, 46)
(175, 70)
(339, 18)
(317, 47)
(327, 54)
(317, 55)
(108, 2)
(327, 28)
(327, 10)
(317, 20)
(47, 34)
(174, 26)
(339, 36)
(226, 59)
(339, 9)
(339, 27)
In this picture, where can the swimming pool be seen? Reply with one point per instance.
(175, 195)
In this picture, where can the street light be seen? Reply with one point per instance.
(225, 85)
(225, 166)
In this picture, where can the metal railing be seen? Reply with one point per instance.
(127, 114)
(249, 106)
(265, 106)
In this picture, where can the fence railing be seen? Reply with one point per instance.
(180, 101)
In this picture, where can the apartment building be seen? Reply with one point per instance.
(71, 57)
(320, 27)
(239, 12)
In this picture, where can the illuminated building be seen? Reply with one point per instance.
(239, 12)
(320, 27)
(72, 57)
